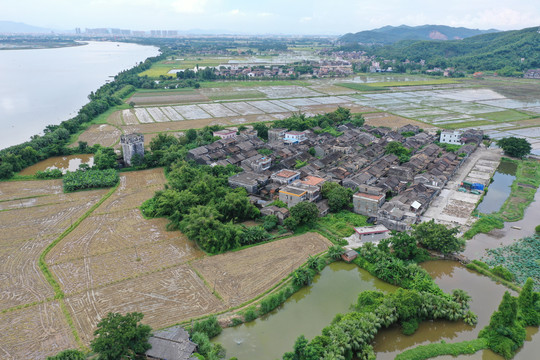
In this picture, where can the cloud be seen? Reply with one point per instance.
(499, 18)
(190, 6)
(306, 19)
(264, 14)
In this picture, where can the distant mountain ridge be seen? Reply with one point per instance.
(11, 27)
(392, 34)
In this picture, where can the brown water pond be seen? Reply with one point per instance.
(63, 163)
(477, 246)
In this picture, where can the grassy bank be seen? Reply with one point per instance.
(438, 349)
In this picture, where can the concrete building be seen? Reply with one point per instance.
(225, 134)
(372, 233)
(257, 163)
(298, 192)
(132, 144)
(285, 177)
(276, 135)
(294, 137)
(368, 200)
(451, 137)
(171, 344)
(250, 181)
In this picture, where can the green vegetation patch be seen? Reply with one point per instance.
(90, 179)
(503, 116)
(522, 192)
(342, 223)
(464, 124)
(520, 258)
(437, 349)
(484, 225)
(362, 87)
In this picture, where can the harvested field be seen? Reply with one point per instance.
(242, 275)
(165, 298)
(129, 117)
(392, 121)
(90, 272)
(27, 232)
(243, 108)
(217, 110)
(135, 188)
(143, 116)
(115, 118)
(166, 98)
(101, 234)
(331, 89)
(329, 100)
(171, 126)
(299, 102)
(284, 105)
(105, 135)
(25, 189)
(191, 112)
(287, 91)
(34, 332)
(171, 113)
(157, 114)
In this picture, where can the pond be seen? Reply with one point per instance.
(499, 189)
(64, 163)
(449, 275)
(307, 312)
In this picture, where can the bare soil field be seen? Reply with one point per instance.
(34, 332)
(173, 126)
(116, 118)
(242, 275)
(392, 121)
(105, 135)
(27, 231)
(165, 298)
(25, 189)
(129, 117)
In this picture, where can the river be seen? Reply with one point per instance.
(39, 87)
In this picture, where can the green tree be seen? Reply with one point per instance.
(305, 213)
(529, 306)
(121, 336)
(69, 354)
(6, 170)
(327, 187)
(396, 148)
(438, 237)
(262, 130)
(335, 251)
(404, 245)
(515, 147)
(105, 158)
(339, 198)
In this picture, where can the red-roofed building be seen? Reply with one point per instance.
(285, 176)
(313, 180)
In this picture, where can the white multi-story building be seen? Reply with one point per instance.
(451, 137)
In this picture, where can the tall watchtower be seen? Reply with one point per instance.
(132, 144)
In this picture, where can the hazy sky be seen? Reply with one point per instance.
(276, 16)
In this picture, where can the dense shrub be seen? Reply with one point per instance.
(209, 326)
(90, 179)
(49, 174)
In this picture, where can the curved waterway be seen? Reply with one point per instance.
(307, 312)
(39, 87)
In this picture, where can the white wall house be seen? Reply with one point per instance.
(451, 137)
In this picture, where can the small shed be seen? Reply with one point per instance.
(349, 255)
(171, 344)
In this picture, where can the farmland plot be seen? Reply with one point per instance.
(143, 116)
(25, 189)
(171, 113)
(242, 275)
(157, 114)
(268, 107)
(115, 118)
(192, 112)
(330, 100)
(287, 91)
(300, 102)
(167, 97)
(217, 110)
(105, 135)
(243, 108)
(165, 298)
(284, 105)
(129, 117)
(90, 272)
(34, 332)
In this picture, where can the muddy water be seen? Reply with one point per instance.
(499, 189)
(63, 163)
(477, 246)
(449, 275)
(306, 312)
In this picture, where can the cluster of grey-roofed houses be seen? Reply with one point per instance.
(392, 194)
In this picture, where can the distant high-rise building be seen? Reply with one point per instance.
(77, 30)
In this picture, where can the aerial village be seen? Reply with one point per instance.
(295, 164)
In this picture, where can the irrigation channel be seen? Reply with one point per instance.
(337, 287)
(64, 163)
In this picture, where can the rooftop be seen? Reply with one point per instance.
(377, 229)
(312, 180)
(368, 196)
(286, 173)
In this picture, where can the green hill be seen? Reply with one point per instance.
(519, 49)
(392, 34)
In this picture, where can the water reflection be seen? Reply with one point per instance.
(499, 189)
(64, 163)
